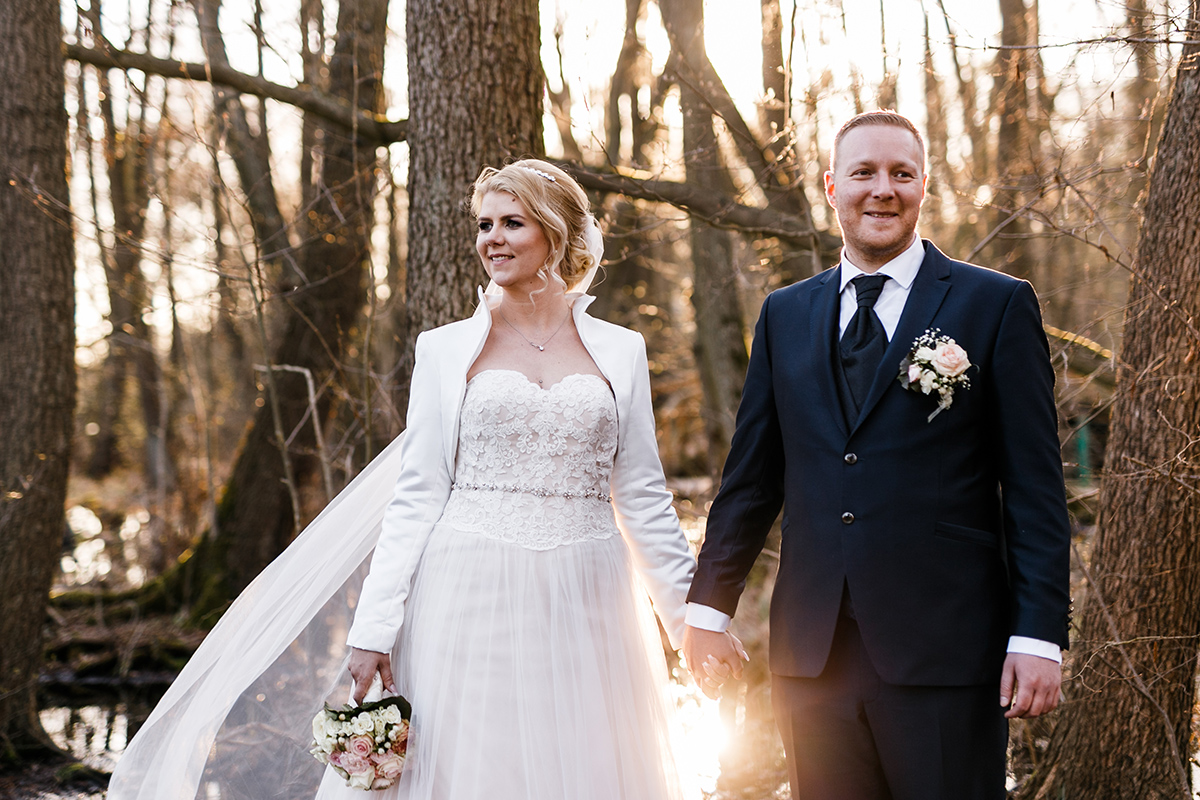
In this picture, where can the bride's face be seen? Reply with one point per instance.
(511, 244)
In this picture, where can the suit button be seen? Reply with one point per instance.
(850, 458)
(847, 517)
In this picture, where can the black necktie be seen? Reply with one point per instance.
(864, 341)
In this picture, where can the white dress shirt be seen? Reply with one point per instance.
(903, 271)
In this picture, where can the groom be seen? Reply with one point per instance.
(922, 592)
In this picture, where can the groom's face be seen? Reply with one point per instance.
(876, 187)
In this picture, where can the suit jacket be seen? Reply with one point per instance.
(951, 534)
(641, 501)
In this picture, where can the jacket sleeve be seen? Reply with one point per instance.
(1036, 526)
(420, 496)
(751, 492)
(643, 508)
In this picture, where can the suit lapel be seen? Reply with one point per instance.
(924, 299)
(825, 301)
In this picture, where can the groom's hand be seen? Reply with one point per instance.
(711, 658)
(1029, 685)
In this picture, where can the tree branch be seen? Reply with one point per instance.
(378, 129)
(715, 208)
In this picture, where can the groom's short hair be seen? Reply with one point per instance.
(881, 117)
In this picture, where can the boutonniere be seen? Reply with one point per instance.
(935, 364)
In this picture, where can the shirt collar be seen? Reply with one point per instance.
(902, 269)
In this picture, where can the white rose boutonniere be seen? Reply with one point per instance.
(936, 364)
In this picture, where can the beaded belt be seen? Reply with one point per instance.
(535, 491)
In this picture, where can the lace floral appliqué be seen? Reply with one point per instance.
(534, 464)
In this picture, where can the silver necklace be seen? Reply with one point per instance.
(541, 347)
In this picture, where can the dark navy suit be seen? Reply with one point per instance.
(949, 535)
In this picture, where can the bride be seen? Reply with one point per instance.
(505, 594)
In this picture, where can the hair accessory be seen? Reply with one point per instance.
(545, 175)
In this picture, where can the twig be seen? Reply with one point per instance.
(316, 418)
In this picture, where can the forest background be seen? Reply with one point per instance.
(223, 225)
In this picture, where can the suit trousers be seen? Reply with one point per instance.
(849, 735)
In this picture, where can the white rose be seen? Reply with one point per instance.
(927, 381)
(392, 714)
(950, 360)
(361, 780)
(362, 724)
(924, 354)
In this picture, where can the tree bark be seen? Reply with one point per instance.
(1126, 731)
(256, 517)
(475, 99)
(720, 344)
(37, 353)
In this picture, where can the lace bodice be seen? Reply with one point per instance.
(534, 464)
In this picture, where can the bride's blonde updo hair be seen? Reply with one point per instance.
(556, 202)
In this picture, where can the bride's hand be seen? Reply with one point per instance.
(363, 666)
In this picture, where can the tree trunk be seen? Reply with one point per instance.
(1011, 248)
(720, 344)
(127, 155)
(1126, 731)
(37, 353)
(256, 518)
(475, 99)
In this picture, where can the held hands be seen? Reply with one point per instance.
(712, 658)
(1036, 681)
(363, 666)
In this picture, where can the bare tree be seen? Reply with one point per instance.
(260, 511)
(720, 344)
(1127, 729)
(37, 353)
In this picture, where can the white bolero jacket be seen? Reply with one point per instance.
(640, 497)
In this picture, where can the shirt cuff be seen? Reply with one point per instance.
(1030, 647)
(706, 618)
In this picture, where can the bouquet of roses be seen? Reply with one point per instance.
(936, 364)
(366, 744)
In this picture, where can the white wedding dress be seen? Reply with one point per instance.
(530, 653)
(529, 650)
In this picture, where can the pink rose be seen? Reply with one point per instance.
(361, 746)
(355, 764)
(389, 766)
(914, 373)
(950, 360)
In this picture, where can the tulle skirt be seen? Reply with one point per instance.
(533, 675)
